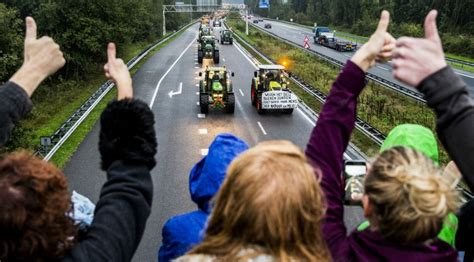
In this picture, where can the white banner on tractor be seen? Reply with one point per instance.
(279, 100)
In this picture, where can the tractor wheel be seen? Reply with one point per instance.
(253, 95)
(216, 57)
(204, 103)
(260, 110)
(231, 41)
(200, 57)
(288, 111)
(230, 107)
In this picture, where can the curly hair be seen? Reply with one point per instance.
(34, 202)
(410, 197)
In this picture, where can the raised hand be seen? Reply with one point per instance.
(42, 58)
(378, 48)
(417, 58)
(117, 71)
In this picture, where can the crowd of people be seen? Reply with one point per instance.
(271, 202)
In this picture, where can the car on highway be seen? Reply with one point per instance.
(337, 44)
(217, 23)
(226, 37)
(268, 26)
(207, 48)
(255, 21)
(321, 30)
(270, 90)
(215, 90)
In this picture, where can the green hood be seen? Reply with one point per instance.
(417, 137)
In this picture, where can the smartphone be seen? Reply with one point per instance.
(354, 173)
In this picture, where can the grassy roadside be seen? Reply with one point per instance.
(63, 155)
(382, 108)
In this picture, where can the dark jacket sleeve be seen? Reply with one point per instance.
(447, 94)
(14, 105)
(326, 147)
(127, 145)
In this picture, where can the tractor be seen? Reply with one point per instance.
(208, 48)
(270, 90)
(215, 90)
(226, 37)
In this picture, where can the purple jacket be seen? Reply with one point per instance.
(325, 150)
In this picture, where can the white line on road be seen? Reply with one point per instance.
(242, 93)
(204, 152)
(197, 93)
(197, 85)
(197, 78)
(197, 67)
(180, 90)
(223, 59)
(203, 131)
(197, 103)
(261, 128)
(167, 72)
(201, 116)
(461, 74)
(383, 68)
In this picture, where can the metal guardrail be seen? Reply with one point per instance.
(57, 139)
(384, 82)
(364, 127)
(365, 39)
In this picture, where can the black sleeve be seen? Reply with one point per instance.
(447, 94)
(127, 145)
(465, 233)
(14, 105)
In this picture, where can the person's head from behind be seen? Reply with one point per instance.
(271, 203)
(406, 198)
(34, 201)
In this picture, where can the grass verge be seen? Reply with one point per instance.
(68, 95)
(382, 108)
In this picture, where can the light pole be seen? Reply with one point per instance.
(246, 21)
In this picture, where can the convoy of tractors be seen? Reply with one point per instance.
(269, 88)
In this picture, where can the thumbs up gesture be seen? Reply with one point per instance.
(417, 58)
(117, 71)
(42, 58)
(378, 48)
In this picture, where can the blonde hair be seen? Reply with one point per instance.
(409, 197)
(270, 203)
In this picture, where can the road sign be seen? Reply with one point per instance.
(265, 4)
(306, 42)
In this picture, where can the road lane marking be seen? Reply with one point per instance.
(204, 151)
(197, 85)
(197, 78)
(180, 90)
(383, 68)
(197, 93)
(197, 67)
(201, 116)
(223, 59)
(197, 103)
(261, 128)
(246, 57)
(203, 131)
(461, 74)
(166, 73)
(242, 93)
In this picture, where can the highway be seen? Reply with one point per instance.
(184, 134)
(296, 34)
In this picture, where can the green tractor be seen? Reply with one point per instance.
(204, 30)
(270, 90)
(215, 90)
(208, 48)
(226, 37)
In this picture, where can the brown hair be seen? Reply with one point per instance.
(34, 200)
(409, 197)
(270, 203)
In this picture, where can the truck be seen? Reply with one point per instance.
(215, 90)
(207, 48)
(334, 43)
(270, 90)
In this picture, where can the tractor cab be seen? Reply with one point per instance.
(271, 77)
(216, 90)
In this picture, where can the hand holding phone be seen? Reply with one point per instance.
(354, 173)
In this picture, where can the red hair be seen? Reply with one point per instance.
(34, 202)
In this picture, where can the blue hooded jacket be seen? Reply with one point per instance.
(180, 233)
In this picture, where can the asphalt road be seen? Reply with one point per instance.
(296, 34)
(184, 134)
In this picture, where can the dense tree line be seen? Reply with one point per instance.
(456, 21)
(81, 27)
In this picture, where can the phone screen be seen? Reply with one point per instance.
(355, 169)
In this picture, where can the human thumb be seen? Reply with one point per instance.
(431, 30)
(30, 29)
(383, 23)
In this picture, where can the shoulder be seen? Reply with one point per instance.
(195, 258)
